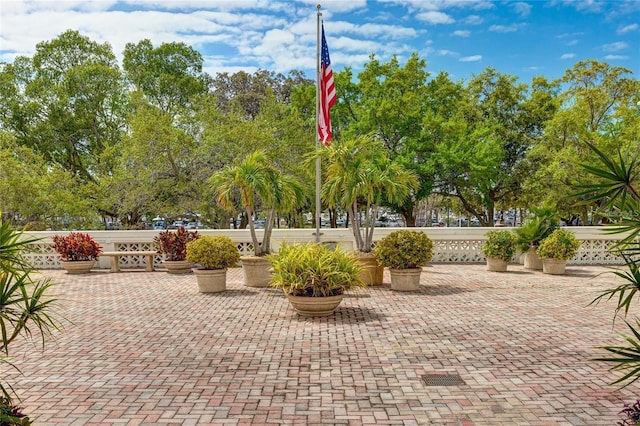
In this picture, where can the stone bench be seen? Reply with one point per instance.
(115, 258)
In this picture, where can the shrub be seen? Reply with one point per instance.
(217, 252)
(631, 413)
(500, 245)
(76, 246)
(11, 414)
(404, 249)
(561, 245)
(312, 269)
(173, 245)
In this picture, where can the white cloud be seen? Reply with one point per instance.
(614, 47)
(473, 20)
(615, 57)
(461, 33)
(627, 28)
(505, 28)
(442, 4)
(473, 58)
(568, 56)
(523, 9)
(572, 42)
(445, 52)
(434, 17)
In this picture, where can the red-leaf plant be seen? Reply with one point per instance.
(174, 244)
(76, 246)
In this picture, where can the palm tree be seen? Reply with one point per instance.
(256, 179)
(360, 176)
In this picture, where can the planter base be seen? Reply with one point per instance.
(405, 279)
(554, 266)
(256, 271)
(178, 266)
(496, 265)
(315, 306)
(211, 280)
(532, 260)
(372, 273)
(78, 266)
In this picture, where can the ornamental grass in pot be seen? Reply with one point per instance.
(556, 249)
(173, 247)
(212, 255)
(404, 252)
(499, 249)
(78, 252)
(314, 277)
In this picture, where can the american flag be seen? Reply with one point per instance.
(327, 96)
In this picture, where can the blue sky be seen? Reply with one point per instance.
(462, 37)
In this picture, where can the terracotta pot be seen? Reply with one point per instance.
(178, 266)
(532, 260)
(256, 271)
(372, 272)
(496, 265)
(315, 306)
(77, 266)
(211, 280)
(554, 266)
(405, 279)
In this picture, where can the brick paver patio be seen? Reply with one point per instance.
(147, 348)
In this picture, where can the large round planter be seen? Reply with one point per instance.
(315, 306)
(496, 265)
(178, 266)
(211, 280)
(532, 260)
(77, 266)
(256, 271)
(405, 279)
(553, 266)
(372, 272)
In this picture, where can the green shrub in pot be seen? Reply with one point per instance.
(500, 244)
(560, 245)
(404, 249)
(213, 252)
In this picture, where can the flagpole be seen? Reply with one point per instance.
(318, 162)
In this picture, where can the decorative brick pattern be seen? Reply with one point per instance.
(147, 348)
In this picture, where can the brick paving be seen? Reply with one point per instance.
(146, 348)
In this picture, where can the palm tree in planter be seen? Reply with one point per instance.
(404, 252)
(255, 179)
(314, 277)
(540, 225)
(499, 249)
(212, 256)
(560, 246)
(359, 177)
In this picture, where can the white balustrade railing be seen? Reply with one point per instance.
(451, 245)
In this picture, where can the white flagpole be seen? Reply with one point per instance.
(318, 163)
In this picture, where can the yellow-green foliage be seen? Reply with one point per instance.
(314, 270)
(217, 252)
(500, 245)
(561, 245)
(404, 249)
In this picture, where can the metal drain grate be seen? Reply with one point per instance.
(442, 380)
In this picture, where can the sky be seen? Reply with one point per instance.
(461, 37)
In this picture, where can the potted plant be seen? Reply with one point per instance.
(314, 277)
(556, 249)
(541, 224)
(360, 176)
(499, 249)
(404, 252)
(251, 181)
(212, 256)
(173, 246)
(78, 252)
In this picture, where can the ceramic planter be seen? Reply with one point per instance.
(532, 260)
(372, 272)
(553, 266)
(77, 266)
(256, 271)
(496, 265)
(178, 266)
(211, 280)
(405, 279)
(315, 306)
